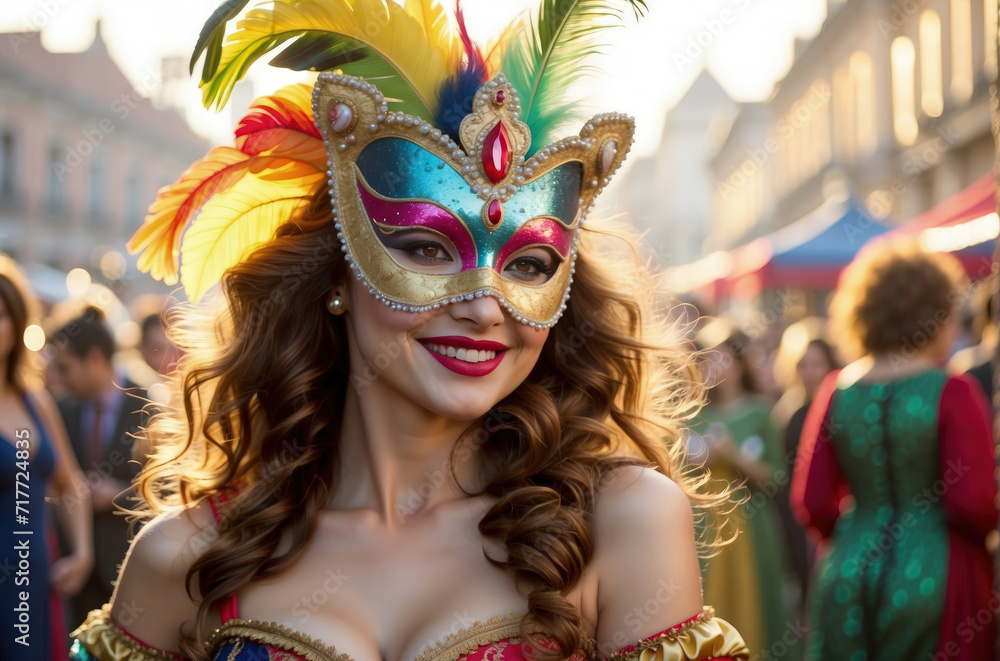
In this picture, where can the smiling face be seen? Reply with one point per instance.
(456, 361)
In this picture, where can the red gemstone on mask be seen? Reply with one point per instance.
(494, 212)
(496, 152)
(500, 97)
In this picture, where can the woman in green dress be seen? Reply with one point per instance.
(905, 573)
(735, 436)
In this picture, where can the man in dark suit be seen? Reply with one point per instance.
(101, 411)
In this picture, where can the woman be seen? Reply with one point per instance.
(804, 358)
(387, 446)
(742, 444)
(906, 567)
(36, 457)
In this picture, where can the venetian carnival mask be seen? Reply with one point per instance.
(477, 185)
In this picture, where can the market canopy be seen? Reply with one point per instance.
(809, 253)
(965, 224)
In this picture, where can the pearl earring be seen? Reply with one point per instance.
(337, 307)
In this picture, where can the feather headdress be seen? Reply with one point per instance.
(422, 64)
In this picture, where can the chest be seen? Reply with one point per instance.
(416, 594)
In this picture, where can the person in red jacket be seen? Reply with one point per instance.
(905, 573)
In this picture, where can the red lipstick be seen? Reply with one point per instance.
(465, 368)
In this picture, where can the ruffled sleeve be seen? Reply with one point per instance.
(100, 638)
(701, 637)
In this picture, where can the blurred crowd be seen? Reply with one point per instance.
(824, 428)
(76, 390)
(841, 434)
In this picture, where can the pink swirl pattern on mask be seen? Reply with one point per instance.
(416, 215)
(538, 230)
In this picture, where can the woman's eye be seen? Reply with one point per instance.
(531, 269)
(427, 251)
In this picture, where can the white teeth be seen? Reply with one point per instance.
(468, 355)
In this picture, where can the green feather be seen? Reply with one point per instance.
(211, 36)
(325, 51)
(546, 59)
(310, 50)
(219, 86)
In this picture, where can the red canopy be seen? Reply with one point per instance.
(974, 201)
(964, 224)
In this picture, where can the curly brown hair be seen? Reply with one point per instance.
(611, 375)
(895, 295)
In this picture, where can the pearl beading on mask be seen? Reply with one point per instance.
(466, 165)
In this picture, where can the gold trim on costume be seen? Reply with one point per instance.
(704, 637)
(486, 632)
(106, 641)
(278, 635)
(464, 641)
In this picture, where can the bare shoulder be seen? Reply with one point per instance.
(634, 497)
(151, 600)
(649, 577)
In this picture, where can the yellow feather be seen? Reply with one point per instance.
(423, 58)
(440, 32)
(494, 52)
(233, 225)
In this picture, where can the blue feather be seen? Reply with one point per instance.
(457, 92)
(455, 99)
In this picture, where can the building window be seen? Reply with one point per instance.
(863, 82)
(55, 191)
(904, 119)
(990, 43)
(931, 95)
(8, 168)
(134, 211)
(843, 103)
(821, 127)
(98, 188)
(961, 50)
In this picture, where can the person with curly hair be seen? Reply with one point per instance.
(383, 445)
(905, 573)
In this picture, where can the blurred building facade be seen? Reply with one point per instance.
(889, 103)
(82, 152)
(669, 194)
